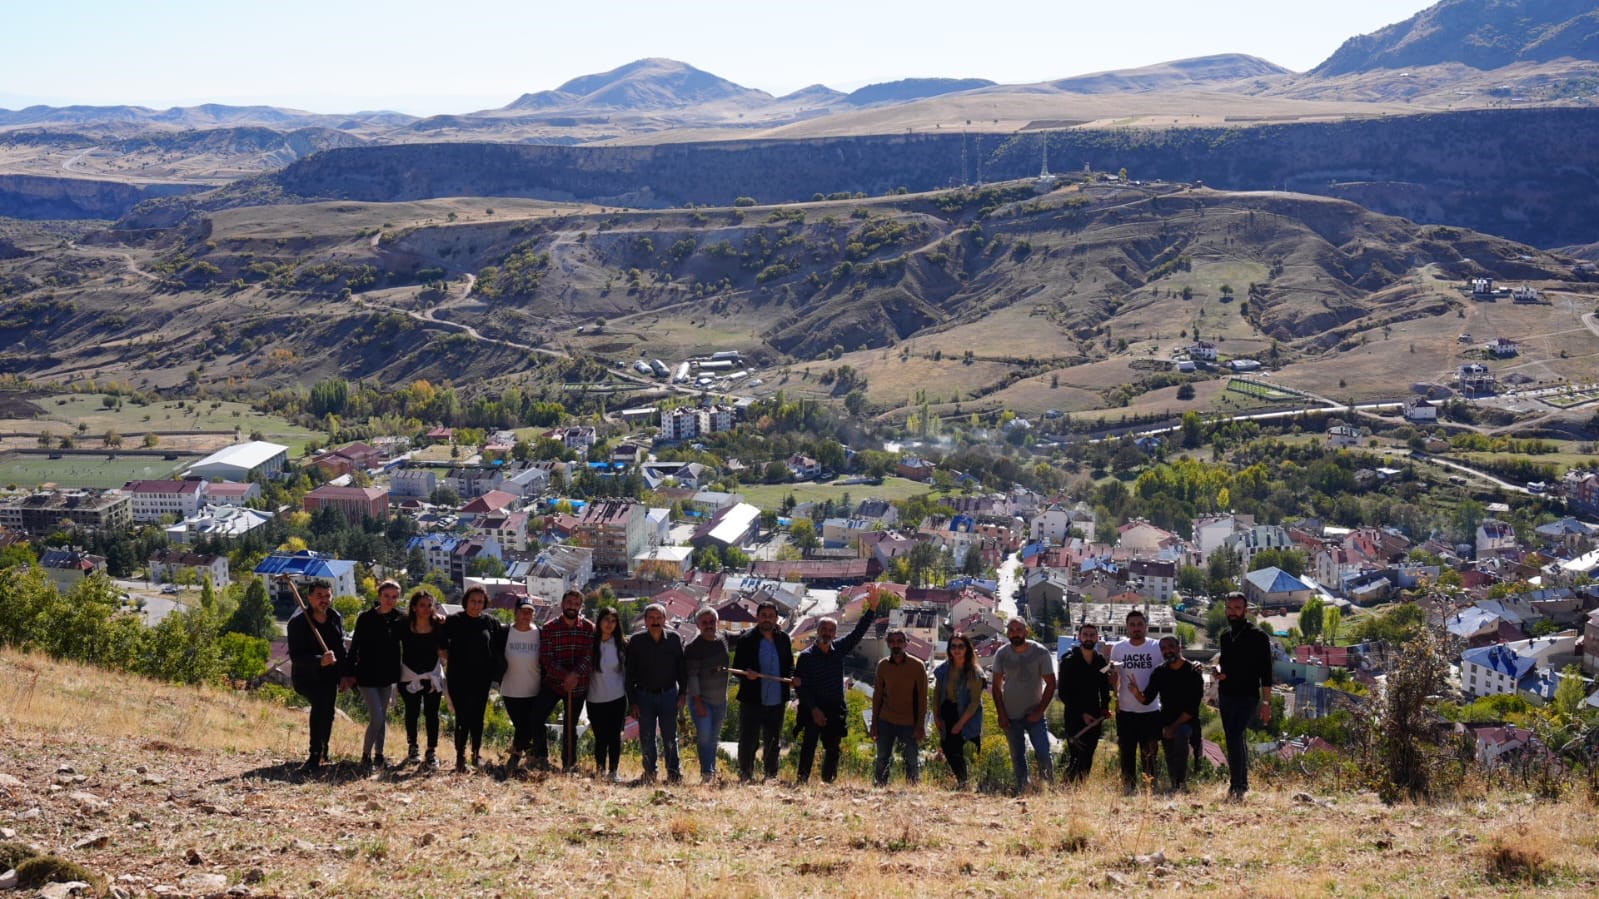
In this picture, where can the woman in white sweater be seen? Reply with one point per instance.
(607, 697)
(519, 683)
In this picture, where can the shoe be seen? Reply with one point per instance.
(379, 762)
(707, 779)
(513, 761)
(613, 777)
(477, 760)
(674, 779)
(431, 760)
(412, 756)
(648, 779)
(1235, 796)
(366, 762)
(460, 764)
(312, 765)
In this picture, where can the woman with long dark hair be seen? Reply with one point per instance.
(958, 704)
(467, 644)
(607, 696)
(421, 672)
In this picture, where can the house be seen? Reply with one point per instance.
(1250, 542)
(67, 566)
(1474, 377)
(1480, 287)
(1494, 537)
(731, 526)
(491, 502)
(914, 468)
(1505, 668)
(689, 475)
(1334, 563)
(662, 563)
(347, 460)
(1044, 589)
(1568, 534)
(1503, 348)
(524, 479)
(615, 530)
(354, 503)
(1339, 436)
(1211, 531)
(221, 522)
(1155, 580)
(880, 511)
(468, 552)
(48, 511)
(710, 502)
(657, 526)
(1582, 490)
(1417, 409)
(1202, 350)
(580, 438)
(1139, 536)
(558, 569)
(509, 529)
(165, 565)
(1590, 643)
(1274, 588)
(154, 500)
(839, 532)
(628, 454)
(242, 461)
(1050, 525)
(419, 482)
(231, 493)
(803, 467)
(467, 482)
(304, 566)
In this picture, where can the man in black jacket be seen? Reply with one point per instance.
(656, 677)
(1180, 689)
(822, 709)
(1243, 688)
(1084, 685)
(765, 650)
(314, 665)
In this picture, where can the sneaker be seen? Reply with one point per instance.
(460, 764)
(379, 762)
(674, 778)
(431, 760)
(513, 761)
(707, 779)
(613, 777)
(477, 760)
(312, 765)
(412, 756)
(366, 762)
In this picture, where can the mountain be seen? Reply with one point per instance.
(1182, 73)
(204, 116)
(645, 84)
(1482, 34)
(913, 89)
(816, 94)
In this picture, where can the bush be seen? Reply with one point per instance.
(14, 854)
(45, 869)
(1516, 858)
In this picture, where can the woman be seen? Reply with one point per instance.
(519, 682)
(467, 645)
(607, 697)
(375, 662)
(958, 692)
(421, 672)
(316, 653)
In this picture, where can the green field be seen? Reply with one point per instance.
(770, 496)
(64, 412)
(86, 471)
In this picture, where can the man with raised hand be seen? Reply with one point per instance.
(1178, 687)
(1137, 723)
(1024, 685)
(819, 671)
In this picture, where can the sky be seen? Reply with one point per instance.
(426, 56)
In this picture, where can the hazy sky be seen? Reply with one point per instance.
(460, 55)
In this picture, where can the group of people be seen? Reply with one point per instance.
(652, 676)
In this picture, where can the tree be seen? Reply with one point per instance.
(1290, 560)
(486, 566)
(150, 440)
(1571, 693)
(1311, 617)
(1331, 621)
(253, 617)
(112, 438)
(1185, 392)
(444, 496)
(1191, 580)
(1187, 634)
(802, 534)
(1216, 620)
(735, 559)
(243, 657)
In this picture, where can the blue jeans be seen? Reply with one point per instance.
(1018, 735)
(1236, 714)
(904, 735)
(707, 733)
(658, 709)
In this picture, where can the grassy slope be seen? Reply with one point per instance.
(214, 780)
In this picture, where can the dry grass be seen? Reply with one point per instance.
(168, 772)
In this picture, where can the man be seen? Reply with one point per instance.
(656, 674)
(823, 713)
(314, 665)
(1024, 685)
(765, 650)
(1085, 692)
(1243, 688)
(566, 651)
(899, 709)
(1178, 687)
(705, 666)
(1137, 723)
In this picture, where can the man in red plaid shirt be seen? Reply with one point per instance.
(566, 650)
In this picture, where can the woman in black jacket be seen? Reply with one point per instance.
(375, 663)
(314, 665)
(467, 645)
(421, 671)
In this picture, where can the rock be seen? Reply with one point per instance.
(193, 857)
(7, 833)
(120, 893)
(1206, 860)
(429, 838)
(140, 769)
(9, 782)
(92, 841)
(238, 891)
(8, 880)
(153, 779)
(65, 769)
(1164, 870)
(1154, 858)
(88, 801)
(201, 882)
(300, 845)
(29, 814)
(1304, 797)
(1112, 879)
(254, 875)
(63, 890)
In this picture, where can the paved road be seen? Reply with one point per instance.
(1010, 575)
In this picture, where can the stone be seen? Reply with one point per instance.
(7, 833)
(1112, 879)
(1151, 860)
(1304, 797)
(201, 882)
(88, 801)
(239, 891)
(92, 841)
(254, 875)
(29, 814)
(8, 880)
(193, 857)
(153, 779)
(65, 769)
(63, 890)
(9, 782)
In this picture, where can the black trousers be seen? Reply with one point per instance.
(759, 725)
(1080, 753)
(547, 701)
(605, 722)
(416, 705)
(322, 695)
(1138, 738)
(471, 701)
(952, 743)
(520, 710)
(829, 735)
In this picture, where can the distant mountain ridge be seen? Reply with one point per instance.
(644, 84)
(907, 89)
(1482, 34)
(1199, 70)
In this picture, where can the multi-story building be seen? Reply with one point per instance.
(615, 530)
(67, 566)
(354, 503)
(231, 493)
(1157, 580)
(165, 565)
(49, 511)
(418, 482)
(304, 566)
(154, 500)
(560, 568)
(224, 522)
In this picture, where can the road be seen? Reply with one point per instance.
(1472, 472)
(1009, 579)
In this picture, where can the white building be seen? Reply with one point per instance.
(165, 565)
(1418, 409)
(240, 461)
(153, 500)
(1250, 542)
(558, 569)
(225, 522)
(418, 482)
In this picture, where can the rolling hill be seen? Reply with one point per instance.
(1481, 34)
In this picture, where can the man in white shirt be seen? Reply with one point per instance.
(1137, 724)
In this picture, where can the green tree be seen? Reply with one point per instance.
(802, 534)
(253, 616)
(243, 657)
(1311, 617)
(1331, 621)
(1571, 693)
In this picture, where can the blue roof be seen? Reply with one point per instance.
(304, 564)
(1499, 659)
(1275, 580)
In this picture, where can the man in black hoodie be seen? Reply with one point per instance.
(1084, 685)
(313, 669)
(1243, 688)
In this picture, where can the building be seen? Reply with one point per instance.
(803, 467)
(1474, 377)
(354, 503)
(1343, 436)
(154, 500)
(241, 461)
(1494, 537)
(915, 468)
(1274, 588)
(1202, 349)
(67, 567)
(1111, 619)
(348, 460)
(615, 530)
(878, 510)
(1212, 531)
(580, 438)
(732, 526)
(684, 423)
(1508, 668)
(509, 529)
(1140, 537)
(1250, 542)
(470, 482)
(50, 511)
(304, 566)
(1582, 490)
(558, 569)
(1503, 348)
(1417, 409)
(1154, 580)
(166, 566)
(231, 493)
(418, 482)
(662, 563)
(223, 522)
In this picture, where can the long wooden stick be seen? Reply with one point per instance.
(306, 610)
(1079, 735)
(743, 672)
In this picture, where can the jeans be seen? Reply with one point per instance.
(1080, 752)
(829, 735)
(1177, 755)
(605, 723)
(1018, 734)
(888, 735)
(416, 705)
(707, 733)
(520, 710)
(1137, 737)
(658, 710)
(377, 725)
(1236, 714)
(759, 725)
(471, 701)
(548, 699)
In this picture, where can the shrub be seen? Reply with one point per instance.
(1516, 858)
(44, 869)
(14, 854)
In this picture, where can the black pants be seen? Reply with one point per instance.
(322, 694)
(829, 735)
(471, 701)
(425, 702)
(547, 701)
(1177, 755)
(1079, 760)
(520, 710)
(1138, 738)
(952, 743)
(759, 725)
(605, 722)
